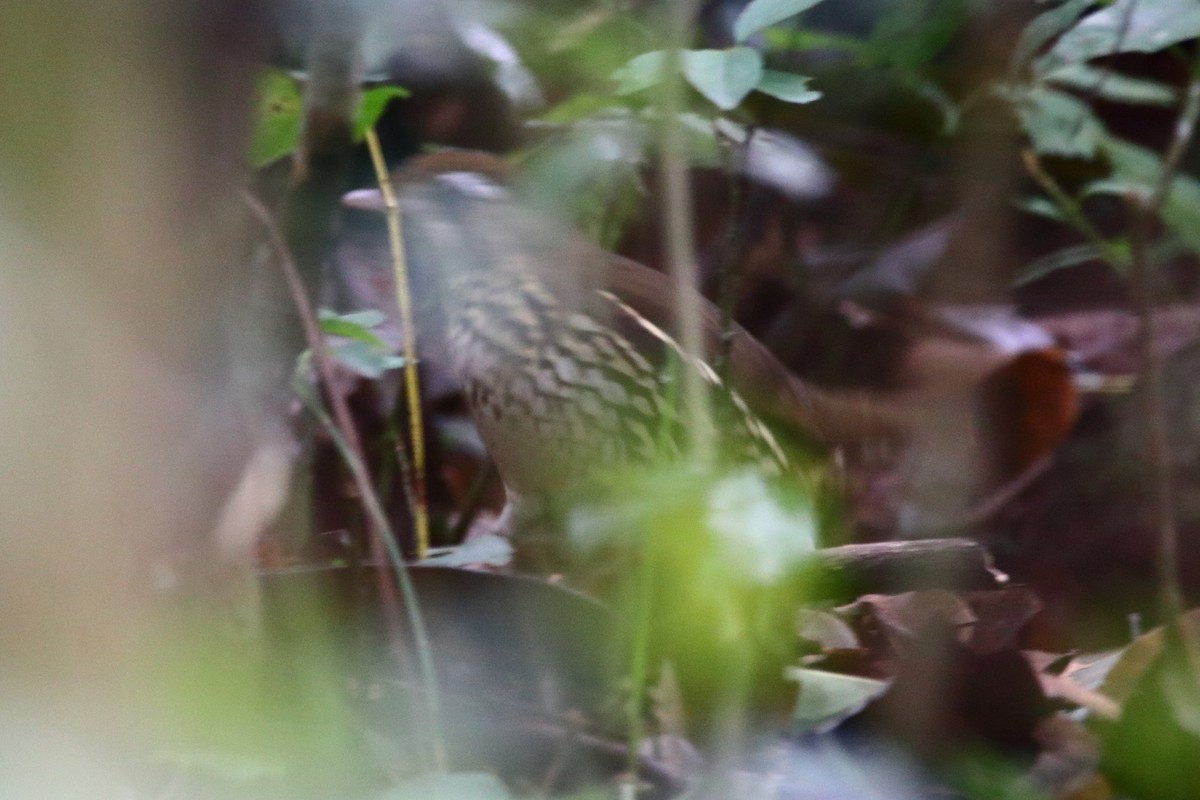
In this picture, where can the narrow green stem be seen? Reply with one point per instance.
(345, 439)
(412, 389)
(639, 659)
(1074, 213)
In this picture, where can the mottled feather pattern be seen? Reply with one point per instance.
(561, 397)
(566, 380)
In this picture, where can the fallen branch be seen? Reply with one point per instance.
(852, 570)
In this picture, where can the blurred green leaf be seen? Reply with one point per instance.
(944, 103)
(723, 76)
(489, 549)
(761, 14)
(355, 326)
(577, 108)
(1143, 26)
(758, 538)
(803, 39)
(827, 698)
(365, 359)
(1113, 85)
(1046, 26)
(640, 72)
(1143, 168)
(1064, 258)
(371, 105)
(277, 126)
(1041, 207)
(787, 86)
(1058, 123)
(911, 33)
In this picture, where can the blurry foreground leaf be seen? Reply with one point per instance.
(757, 536)
(281, 109)
(640, 72)
(356, 347)
(787, 86)
(723, 76)
(356, 325)
(761, 14)
(277, 128)
(1058, 123)
(736, 527)
(1041, 207)
(365, 359)
(1124, 26)
(1045, 27)
(1063, 258)
(1142, 167)
(490, 549)
(1153, 750)
(1113, 85)
(827, 698)
(909, 35)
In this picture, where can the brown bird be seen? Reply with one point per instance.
(562, 350)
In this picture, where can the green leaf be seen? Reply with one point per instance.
(489, 549)
(277, 126)
(371, 318)
(786, 39)
(640, 72)
(353, 326)
(1113, 85)
(1143, 26)
(911, 33)
(577, 108)
(787, 86)
(1041, 207)
(1137, 165)
(758, 537)
(723, 76)
(1064, 258)
(827, 698)
(371, 105)
(944, 103)
(761, 14)
(1058, 123)
(1044, 27)
(365, 359)
(1120, 187)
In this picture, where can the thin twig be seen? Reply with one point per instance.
(345, 437)
(728, 274)
(1158, 444)
(681, 250)
(412, 387)
(639, 659)
(1073, 213)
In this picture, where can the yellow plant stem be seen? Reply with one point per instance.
(412, 390)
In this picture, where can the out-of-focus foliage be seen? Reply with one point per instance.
(280, 112)
(353, 344)
(1062, 66)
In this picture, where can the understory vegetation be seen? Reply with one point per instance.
(601, 398)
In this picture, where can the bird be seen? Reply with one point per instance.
(562, 349)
